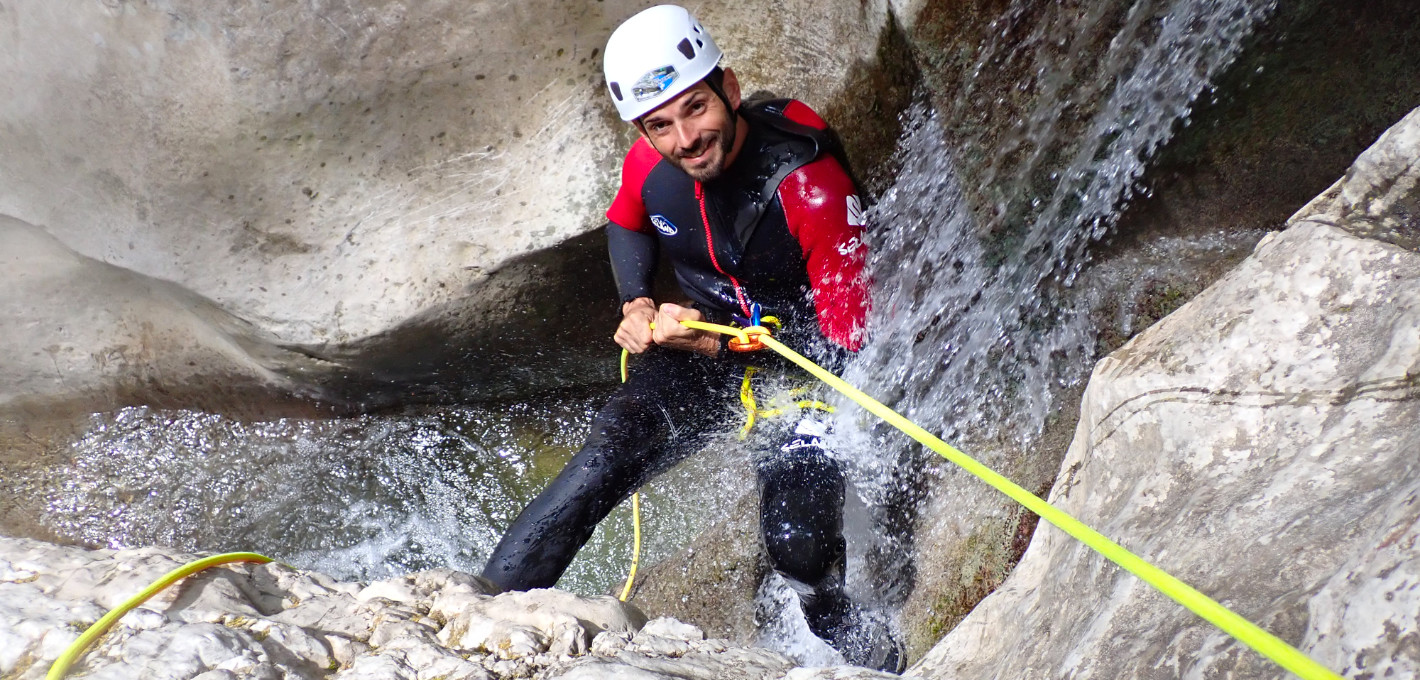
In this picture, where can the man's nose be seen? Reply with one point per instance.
(686, 136)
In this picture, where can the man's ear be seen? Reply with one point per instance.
(731, 86)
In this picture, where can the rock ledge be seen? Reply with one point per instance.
(274, 622)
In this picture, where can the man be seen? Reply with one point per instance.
(753, 214)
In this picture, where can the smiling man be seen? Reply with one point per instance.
(756, 217)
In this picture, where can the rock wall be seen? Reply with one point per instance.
(84, 331)
(1259, 444)
(1311, 89)
(273, 622)
(334, 172)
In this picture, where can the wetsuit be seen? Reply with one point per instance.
(781, 228)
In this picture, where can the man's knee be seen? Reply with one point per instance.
(804, 555)
(801, 512)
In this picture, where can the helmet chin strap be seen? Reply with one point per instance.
(720, 92)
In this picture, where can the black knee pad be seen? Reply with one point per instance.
(806, 557)
(801, 512)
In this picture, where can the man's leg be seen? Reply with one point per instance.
(659, 416)
(801, 515)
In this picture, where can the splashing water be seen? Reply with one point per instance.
(973, 322)
(358, 498)
(977, 324)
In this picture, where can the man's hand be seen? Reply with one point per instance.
(670, 333)
(634, 333)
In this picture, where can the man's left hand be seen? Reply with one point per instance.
(671, 334)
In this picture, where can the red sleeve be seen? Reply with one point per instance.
(800, 113)
(824, 213)
(627, 209)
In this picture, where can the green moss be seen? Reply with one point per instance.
(978, 566)
(1160, 300)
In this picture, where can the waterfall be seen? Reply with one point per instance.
(974, 325)
(977, 246)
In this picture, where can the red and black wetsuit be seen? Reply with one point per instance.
(781, 227)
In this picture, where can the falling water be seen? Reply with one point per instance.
(978, 323)
(974, 319)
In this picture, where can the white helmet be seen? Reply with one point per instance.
(654, 56)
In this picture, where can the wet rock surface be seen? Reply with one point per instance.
(1258, 444)
(270, 621)
(366, 189)
(714, 581)
(1311, 88)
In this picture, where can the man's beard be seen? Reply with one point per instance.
(725, 142)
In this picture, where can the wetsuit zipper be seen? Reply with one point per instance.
(710, 247)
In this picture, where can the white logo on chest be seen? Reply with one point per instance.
(664, 225)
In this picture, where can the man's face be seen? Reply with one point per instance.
(694, 132)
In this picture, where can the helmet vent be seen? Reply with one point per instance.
(699, 42)
(686, 48)
(616, 90)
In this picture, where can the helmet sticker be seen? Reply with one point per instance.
(654, 83)
(664, 225)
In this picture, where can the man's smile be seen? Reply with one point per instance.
(699, 151)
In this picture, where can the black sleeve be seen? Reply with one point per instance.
(633, 261)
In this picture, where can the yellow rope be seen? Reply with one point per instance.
(635, 515)
(75, 650)
(746, 397)
(753, 411)
(635, 544)
(1210, 610)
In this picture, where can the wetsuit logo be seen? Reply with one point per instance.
(664, 225)
(654, 83)
(856, 216)
(846, 248)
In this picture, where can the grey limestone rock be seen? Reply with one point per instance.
(1259, 444)
(314, 176)
(241, 622)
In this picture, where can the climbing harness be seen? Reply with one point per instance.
(754, 412)
(1205, 607)
(94, 632)
(738, 343)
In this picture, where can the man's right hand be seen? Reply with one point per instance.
(634, 333)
